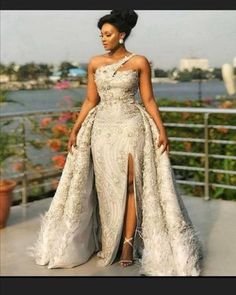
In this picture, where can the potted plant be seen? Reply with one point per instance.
(6, 185)
(51, 132)
(6, 188)
(6, 140)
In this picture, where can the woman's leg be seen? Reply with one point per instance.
(130, 216)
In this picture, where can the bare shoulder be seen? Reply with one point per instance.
(95, 61)
(141, 61)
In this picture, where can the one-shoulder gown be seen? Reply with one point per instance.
(86, 214)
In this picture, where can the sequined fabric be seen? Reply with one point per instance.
(87, 212)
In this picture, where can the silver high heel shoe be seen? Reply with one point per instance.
(127, 262)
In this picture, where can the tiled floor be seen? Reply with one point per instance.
(215, 221)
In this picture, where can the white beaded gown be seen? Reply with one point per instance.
(87, 211)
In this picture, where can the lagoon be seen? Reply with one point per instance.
(44, 99)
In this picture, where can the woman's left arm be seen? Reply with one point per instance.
(147, 96)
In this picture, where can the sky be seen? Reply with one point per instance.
(163, 36)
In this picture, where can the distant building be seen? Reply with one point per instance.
(73, 74)
(56, 76)
(77, 72)
(190, 63)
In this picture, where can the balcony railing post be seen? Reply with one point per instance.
(207, 169)
(24, 179)
(206, 151)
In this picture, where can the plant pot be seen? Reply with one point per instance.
(6, 188)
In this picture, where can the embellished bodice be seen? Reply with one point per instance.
(117, 89)
(114, 85)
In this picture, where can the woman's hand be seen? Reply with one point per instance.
(71, 141)
(163, 140)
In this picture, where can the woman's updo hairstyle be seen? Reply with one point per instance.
(123, 20)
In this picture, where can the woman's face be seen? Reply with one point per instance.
(110, 36)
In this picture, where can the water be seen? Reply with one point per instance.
(40, 100)
(46, 99)
(189, 90)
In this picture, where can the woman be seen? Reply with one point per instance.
(117, 194)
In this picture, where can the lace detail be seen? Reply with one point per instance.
(86, 214)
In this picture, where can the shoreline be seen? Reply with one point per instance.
(45, 85)
(33, 85)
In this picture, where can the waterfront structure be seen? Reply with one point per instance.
(56, 76)
(77, 72)
(190, 63)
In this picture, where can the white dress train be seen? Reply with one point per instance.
(87, 211)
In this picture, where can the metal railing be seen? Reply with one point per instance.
(50, 173)
(206, 113)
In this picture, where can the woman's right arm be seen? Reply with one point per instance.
(91, 100)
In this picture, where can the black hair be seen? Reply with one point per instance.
(123, 20)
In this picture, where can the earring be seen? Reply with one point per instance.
(121, 41)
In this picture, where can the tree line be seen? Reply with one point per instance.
(32, 71)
